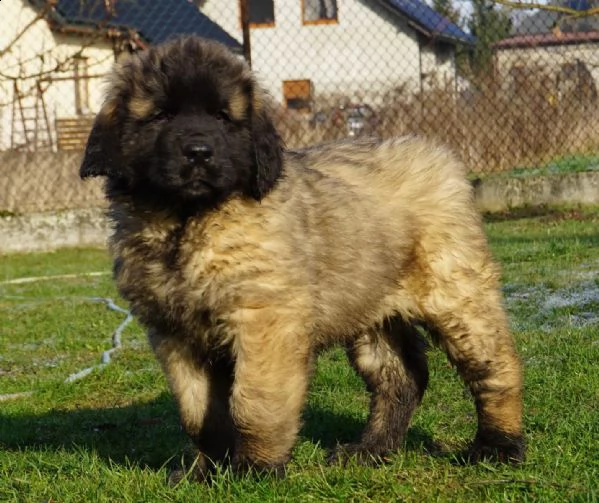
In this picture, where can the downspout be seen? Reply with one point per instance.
(420, 71)
(245, 30)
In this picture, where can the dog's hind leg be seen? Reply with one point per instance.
(468, 319)
(392, 361)
(201, 387)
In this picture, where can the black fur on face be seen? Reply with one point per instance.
(184, 123)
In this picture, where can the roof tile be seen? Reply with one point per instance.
(155, 21)
(429, 19)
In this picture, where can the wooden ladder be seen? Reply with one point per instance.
(34, 122)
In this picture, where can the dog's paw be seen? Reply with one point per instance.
(193, 467)
(362, 455)
(245, 467)
(178, 475)
(497, 446)
(193, 474)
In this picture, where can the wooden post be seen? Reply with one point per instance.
(244, 9)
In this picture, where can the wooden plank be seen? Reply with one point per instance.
(72, 132)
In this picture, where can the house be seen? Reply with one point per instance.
(554, 52)
(308, 50)
(544, 20)
(564, 66)
(54, 55)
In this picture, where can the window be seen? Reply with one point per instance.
(262, 12)
(443, 53)
(298, 94)
(319, 11)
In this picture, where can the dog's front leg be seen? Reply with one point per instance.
(270, 381)
(201, 385)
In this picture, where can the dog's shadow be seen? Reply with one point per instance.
(145, 433)
(329, 429)
(148, 434)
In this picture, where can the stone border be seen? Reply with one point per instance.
(500, 194)
(89, 228)
(49, 231)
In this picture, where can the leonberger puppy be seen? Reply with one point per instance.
(244, 259)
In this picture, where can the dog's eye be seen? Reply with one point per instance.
(161, 115)
(223, 115)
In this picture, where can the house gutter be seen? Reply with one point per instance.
(420, 70)
(97, 31)
(412, 23)
(435, 35)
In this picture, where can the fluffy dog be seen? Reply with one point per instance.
(243, 259)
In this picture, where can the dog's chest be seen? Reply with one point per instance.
(169, 274)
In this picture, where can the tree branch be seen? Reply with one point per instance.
(551, 8)
(41, 14)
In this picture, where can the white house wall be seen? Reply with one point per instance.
(226, 14)
(366, 53)
(100, 59)
(34, 57)
(438, 67)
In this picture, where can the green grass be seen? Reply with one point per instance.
(569, 164)
(113, 435)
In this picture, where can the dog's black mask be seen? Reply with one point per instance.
(184, 124)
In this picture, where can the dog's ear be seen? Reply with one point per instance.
(102, 152)
(268, 152)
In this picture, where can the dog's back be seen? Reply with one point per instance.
(409, 170)
(375, 220)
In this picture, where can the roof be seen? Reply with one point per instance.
(154, 21)
(543, 20)
(546, 39)
(429, 20)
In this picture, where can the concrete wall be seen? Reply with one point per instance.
(498, 194)
(45, 181)
(89, 227)
(50, 231)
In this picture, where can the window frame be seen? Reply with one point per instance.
(322, 20)
(308, 98)
(270, 24)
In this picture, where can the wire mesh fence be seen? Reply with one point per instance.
(504, 84)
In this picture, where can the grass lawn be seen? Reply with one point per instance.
(113, 434)
(576, 163)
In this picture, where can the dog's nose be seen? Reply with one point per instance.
(197, 151)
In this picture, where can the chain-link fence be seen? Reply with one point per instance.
(504, 84)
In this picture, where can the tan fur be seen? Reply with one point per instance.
(356, 244)
(188, 381)
(141, 107)
(238, 105)
(396, 234)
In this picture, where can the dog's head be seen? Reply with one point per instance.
(185, 121)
